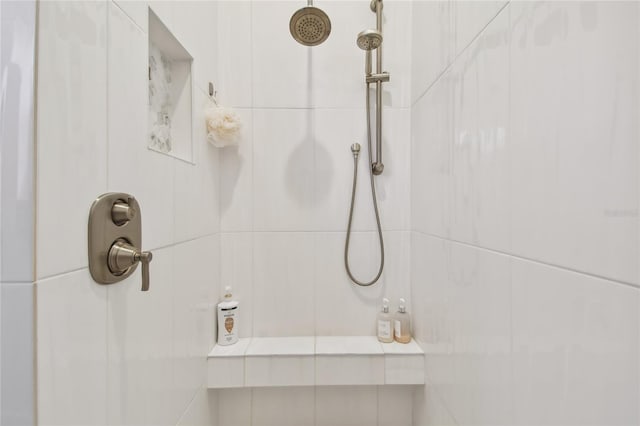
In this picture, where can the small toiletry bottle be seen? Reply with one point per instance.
(227, 319)
(402, 328)
(385, 323)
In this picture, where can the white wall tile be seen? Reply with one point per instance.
(480, 172)
(428, 409)
(226, 372)
(283, 289)
(430, 260)
(431, 41)
(196, 186)
(232, 407)
(478, 389)
(574, 136)
(18, 404)
(137, 11)
(279, 371)
(133, 168)
(282, 69)
(193, 278)
(284, 172)
(575, 341)
(283, 406)
(349, 370)
(236, 179)
(470, 18)
(72, 350)
(463, 324)
(140, 335)
(431, 135)
(346, 405)
(201, 411)
(235, 53)
(341, 307)
(202, 43)
(404, 369)
(71, 129)
(394, 405)
(17, 199)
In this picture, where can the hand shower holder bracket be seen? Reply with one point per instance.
(374, 78)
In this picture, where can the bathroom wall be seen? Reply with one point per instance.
(285, 193)
(524, 206)
(113, 354)
(17, 60)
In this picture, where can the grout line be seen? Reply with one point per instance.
(75, 270)
(458, 55)
(531, 260)
(129, 17)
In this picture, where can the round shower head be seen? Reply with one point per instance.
(310, 26)
(369, 39)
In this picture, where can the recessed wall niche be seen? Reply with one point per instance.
(170, 93)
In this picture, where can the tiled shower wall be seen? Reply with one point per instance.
(113, 354)
(524, 200)
(285, 194)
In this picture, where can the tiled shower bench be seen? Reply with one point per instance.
(314, 361)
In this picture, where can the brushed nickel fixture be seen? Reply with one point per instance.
(115, 235)
(370, 40)
(310, 26)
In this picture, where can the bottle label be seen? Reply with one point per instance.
(228, 324)
(398, 328)
(384, 329)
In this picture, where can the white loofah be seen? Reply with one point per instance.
(223, 126)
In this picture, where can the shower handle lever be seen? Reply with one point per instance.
(123, 256)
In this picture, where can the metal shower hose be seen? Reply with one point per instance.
(375, 206)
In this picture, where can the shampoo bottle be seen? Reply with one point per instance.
(227, 319)
(402, 327)
(385, 323)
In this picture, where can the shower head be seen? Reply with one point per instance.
(310, 26)
(369, 40)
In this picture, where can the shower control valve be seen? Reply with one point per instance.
(115, 238)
